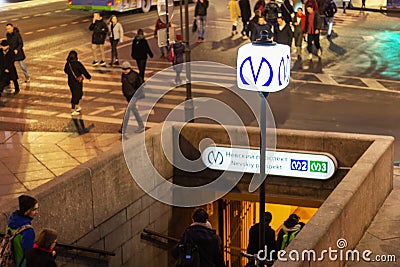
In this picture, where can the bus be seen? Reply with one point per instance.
(112, 5)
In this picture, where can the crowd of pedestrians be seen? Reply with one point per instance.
(285, 25)
(277, 17)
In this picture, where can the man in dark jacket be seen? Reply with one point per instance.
(254, 234)
(14, 39)
(312, 28)
(245, 12)
(205, 238)
(131, 81)
(200, 14)
(140, 50)
(23, 242)
(99, 29)
(7, 67)
(283, 32)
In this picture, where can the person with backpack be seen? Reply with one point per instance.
(199, 244)
(23, 242)
(290, 228)
(43, 253)
(131, 82)
(329, 10)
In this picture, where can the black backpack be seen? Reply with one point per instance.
(188, 253)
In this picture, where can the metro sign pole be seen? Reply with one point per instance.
(272, 75)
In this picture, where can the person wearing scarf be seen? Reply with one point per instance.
(43, 253)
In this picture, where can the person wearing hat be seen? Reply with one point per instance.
(131, 82)
(290, 228)
(8, 70)
(23, 242)
(254, 234)
(178, 49)
(42, 254)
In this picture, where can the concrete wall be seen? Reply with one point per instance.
(99, 205)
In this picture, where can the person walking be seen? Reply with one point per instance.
(140, 50)
(299, 24)
(272, 12)
(260, 5)
(178, 50)
(287, 11)
(76, 73)
(161, 25)
(200, 14)
(329, 10)
(234, 11)
(23, 242)
(251, 28)
(99, 29)
(290, 228)
(312, 29)
(7, 67)
(254, 244)
(200, 234)
(245, 13)
(283, 33)
(14, 39)
(261, 26)
(116, 34)
(131, 82)
(43, 253)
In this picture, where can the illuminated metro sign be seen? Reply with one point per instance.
(263, 68)
(311, 165)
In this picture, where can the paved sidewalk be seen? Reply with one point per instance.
(383, 235)
(30, 159)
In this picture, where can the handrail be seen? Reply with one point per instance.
(86, 249)
(150, 232)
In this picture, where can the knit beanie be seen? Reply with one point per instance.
(26, 203)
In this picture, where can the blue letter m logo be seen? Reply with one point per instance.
(256, 76)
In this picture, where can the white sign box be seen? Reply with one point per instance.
(283, 163)
(264, 68)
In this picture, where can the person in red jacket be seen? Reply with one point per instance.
(161, 25)
(299, 23)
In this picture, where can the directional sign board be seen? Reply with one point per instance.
(283, 163)
(264, 68)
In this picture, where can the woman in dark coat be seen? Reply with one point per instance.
(179, 50)
(76, 71)
(140, 50)
(42, 254)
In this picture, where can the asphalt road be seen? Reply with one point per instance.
(354, 88)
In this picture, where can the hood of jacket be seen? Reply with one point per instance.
(292, 228)
(201, 234)
(17, 220)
